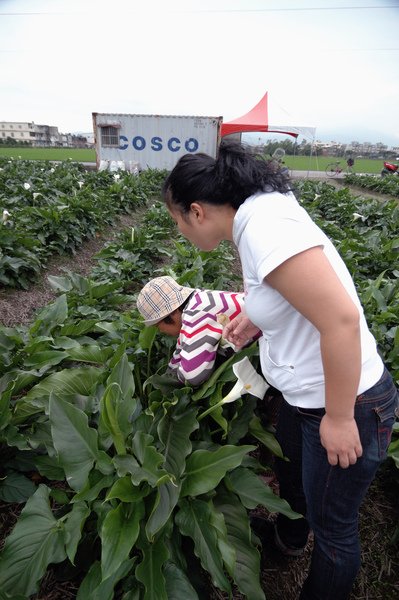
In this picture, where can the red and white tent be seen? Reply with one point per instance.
(257, 120)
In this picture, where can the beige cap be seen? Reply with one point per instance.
(160, 297)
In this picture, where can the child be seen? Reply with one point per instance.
(196, 318)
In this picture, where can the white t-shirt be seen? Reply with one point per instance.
(268, 229)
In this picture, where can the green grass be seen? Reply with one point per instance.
(319, 163)
(296, 163)
(76, 154)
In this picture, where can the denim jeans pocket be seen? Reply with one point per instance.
(315, 414)
(382, 399)
(385, 414)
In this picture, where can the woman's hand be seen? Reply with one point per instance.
(240, 331)
(340, 438)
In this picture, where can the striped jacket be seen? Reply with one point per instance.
(197, 345)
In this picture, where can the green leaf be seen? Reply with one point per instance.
(239, 424)
(227, 551)
(194, 521)
(49, 466)
(5, 411)
(35, 542)
(62, 284)
(122, 375)
(5, 596)
(15, 487)
(66, 343)
(110, 403)
(46, 359)
(50, 317)
(21, 379)
(78, 328)
(76, 443)
(166, 499)
(174, 430)
(95, 484)
(205, 469)
(149, 458)
(90, 353)
(94, 588)
(73, 526)
(124, 490)
(178, 586)
(246, 573)
(149, 571)
(254, 492)
(90, 583)
(147, 336)
(67, 384)
(267, 438)
(118, 535)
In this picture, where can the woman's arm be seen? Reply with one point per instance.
(310, 284)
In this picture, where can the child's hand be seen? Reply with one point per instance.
(240, 331)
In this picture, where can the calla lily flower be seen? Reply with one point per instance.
(248, 382)
(116, 176)
(6, 214)
(357, 216)
(27, 186)
(80, 183)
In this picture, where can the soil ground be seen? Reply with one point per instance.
(282, 577)
(19, 306)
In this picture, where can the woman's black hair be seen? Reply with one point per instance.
(231, 178)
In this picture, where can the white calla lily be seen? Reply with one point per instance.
(248, 382)
(27, 186)
(357, 216)
(80, 183)
(6, 214)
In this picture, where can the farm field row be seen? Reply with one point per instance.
(300, 163)
(128, 465)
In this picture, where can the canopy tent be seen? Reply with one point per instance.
(257, 120)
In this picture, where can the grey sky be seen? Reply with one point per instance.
(328, 64)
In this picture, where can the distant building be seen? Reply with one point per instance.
(46, 135)
(366, 149)
(42, 135)
(18, 132)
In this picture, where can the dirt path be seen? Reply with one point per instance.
(358, 191)
(281, 577)
(19, 306)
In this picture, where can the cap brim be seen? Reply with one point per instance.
(153, 321)
(185, 292)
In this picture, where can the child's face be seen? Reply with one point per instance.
(172, 325)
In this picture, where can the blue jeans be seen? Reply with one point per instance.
(330, 496)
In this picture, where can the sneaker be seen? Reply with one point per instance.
(286, 550)
(267, 533)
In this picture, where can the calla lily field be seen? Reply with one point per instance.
(134, 485)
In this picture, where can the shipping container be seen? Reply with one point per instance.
(139, 142)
